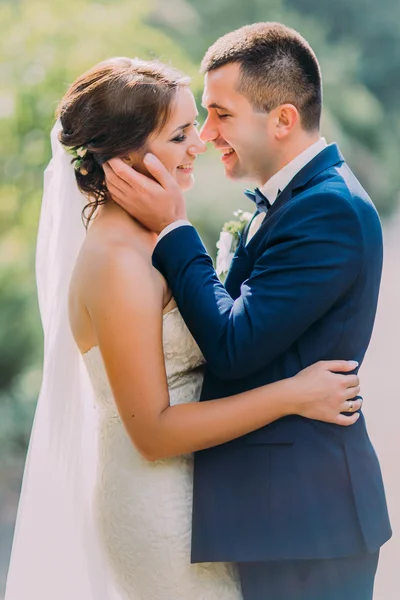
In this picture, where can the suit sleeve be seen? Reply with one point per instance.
(312, 257)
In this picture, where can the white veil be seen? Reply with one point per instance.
(55, 553)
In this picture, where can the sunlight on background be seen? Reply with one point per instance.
(46, 45)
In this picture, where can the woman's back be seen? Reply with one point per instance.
(110, 231)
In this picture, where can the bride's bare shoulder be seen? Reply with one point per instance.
(102, 253)
(113, 269)
(113, 256)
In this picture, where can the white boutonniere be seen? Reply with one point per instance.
(228, 242)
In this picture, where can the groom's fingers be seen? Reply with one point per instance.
(113, 177)
(125, 178)
(158, 170)
(114, 191)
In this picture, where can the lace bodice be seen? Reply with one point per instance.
(183, 360)
(144, 509)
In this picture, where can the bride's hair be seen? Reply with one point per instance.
(110, 111)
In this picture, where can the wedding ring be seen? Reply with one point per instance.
(351, 406)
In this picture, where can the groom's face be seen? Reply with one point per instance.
(244, 137)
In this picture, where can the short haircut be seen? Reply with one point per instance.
(277, 66)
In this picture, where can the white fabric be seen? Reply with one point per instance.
(226, 252)
(283, 177)
(173, 226)
(95, 520)
(255, 225)
(55, 554)
(144, 510)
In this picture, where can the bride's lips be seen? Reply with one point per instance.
(186, 168)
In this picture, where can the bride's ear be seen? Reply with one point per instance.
(135, 160)
(127, 160)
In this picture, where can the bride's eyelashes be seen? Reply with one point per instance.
(182, 137)
(179, 138)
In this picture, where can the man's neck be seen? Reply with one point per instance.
(290, 153)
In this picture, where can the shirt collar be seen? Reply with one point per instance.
(282, 178)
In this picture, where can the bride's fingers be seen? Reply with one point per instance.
(351, 406)
(349, 381)
(339, 366)
(346, 420)
(351, 392)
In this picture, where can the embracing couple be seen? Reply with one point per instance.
(149, 358)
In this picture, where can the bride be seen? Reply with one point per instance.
(105, 509)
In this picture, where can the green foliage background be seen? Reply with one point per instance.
(46, 44)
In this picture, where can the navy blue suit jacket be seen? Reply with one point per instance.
(304, 289)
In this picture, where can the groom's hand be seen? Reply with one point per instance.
(154, 203)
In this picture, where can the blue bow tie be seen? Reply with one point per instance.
(263, 204)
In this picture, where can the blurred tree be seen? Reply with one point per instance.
(44, 47)
(354, 114)
(375, 27)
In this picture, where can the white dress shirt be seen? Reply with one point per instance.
(282, 178)
(270, 189)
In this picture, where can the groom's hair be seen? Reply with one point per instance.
(277, 66)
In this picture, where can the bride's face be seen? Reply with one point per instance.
(178, 142)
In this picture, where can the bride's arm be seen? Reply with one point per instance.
(125, 306)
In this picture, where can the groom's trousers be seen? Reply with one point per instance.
(350, 578)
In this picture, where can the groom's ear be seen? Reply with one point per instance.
(287, 118)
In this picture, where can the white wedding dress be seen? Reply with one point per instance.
(144, 509)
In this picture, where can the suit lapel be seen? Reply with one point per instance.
(247, 227)
(243, 261)
(240, 261)
(327, 158)
(240, 268)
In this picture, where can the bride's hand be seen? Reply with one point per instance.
(325, 393)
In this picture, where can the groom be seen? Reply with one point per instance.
(299, 505)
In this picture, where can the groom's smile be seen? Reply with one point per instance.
(235, 129)
(228, 155)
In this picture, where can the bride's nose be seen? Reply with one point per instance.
(197, 148)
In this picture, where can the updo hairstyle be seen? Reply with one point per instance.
(110, 111)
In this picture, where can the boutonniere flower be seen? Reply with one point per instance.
(228, 242)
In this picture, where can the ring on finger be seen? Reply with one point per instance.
(351, 406)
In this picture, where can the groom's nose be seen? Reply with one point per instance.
(208, 132)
